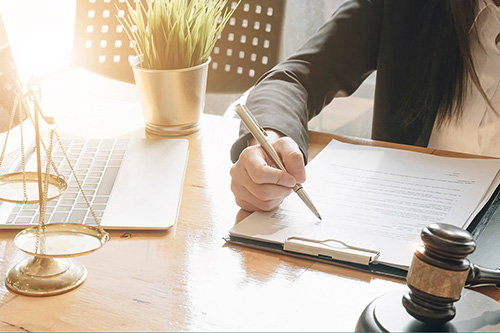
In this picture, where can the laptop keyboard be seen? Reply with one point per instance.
(96, 164)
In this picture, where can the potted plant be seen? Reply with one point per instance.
(173, 40)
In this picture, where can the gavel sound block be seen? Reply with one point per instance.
(435, 280)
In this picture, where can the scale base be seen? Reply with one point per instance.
(475, 312)
(41, 276)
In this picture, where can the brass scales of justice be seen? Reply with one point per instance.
(50, 270)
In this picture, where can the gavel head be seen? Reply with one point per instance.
(438, 273)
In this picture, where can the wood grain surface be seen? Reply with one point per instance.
(188, 278)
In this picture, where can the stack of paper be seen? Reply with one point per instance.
(379, 199)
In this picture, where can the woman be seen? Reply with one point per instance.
(437, 62)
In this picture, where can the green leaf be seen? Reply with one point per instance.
(175, 33)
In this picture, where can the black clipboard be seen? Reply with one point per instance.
(485, 228)
(374, 268)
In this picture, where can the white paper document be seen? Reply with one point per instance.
(378, 198)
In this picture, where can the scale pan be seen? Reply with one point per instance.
(11, 187)
(59, 240)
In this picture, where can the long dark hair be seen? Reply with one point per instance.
(441, 68)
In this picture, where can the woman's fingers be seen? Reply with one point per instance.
(259, 185)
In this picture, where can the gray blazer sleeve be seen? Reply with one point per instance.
(333, 62)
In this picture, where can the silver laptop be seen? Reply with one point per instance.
(130, 183)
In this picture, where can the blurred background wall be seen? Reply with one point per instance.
(41, 35)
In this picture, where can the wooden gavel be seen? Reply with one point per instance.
(440, 270)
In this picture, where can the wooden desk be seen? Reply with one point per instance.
(189, 279)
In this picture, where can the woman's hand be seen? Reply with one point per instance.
(258, 184)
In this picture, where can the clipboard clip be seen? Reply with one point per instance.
(331, 249)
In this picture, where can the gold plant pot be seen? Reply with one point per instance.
(172, 100)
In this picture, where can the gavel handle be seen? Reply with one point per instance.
(482, 276)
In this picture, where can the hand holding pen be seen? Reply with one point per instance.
(259, 186)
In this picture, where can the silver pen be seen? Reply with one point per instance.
(261, 136)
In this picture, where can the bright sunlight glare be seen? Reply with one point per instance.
(40, 34)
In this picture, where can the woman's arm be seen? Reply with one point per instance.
(333, 62)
